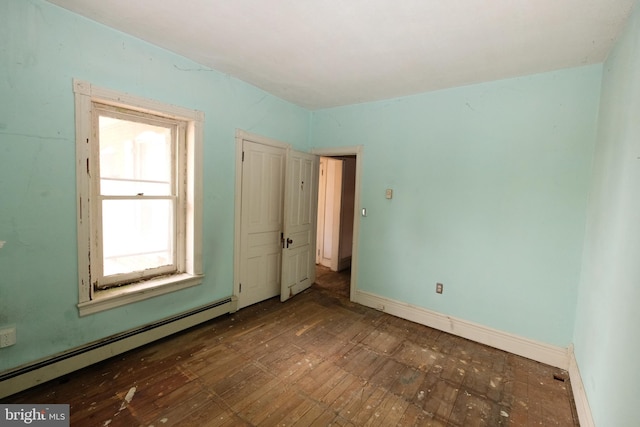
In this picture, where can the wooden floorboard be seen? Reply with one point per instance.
(317, 359)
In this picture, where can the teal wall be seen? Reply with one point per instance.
(42, 47)
(490, 186)
(607, 341)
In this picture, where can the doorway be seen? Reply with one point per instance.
(338, 220)
(275, 227)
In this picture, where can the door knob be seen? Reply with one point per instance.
(289, 241)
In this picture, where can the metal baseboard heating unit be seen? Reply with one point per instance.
(38, 372)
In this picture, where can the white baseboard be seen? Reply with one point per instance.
(579, 394)
(540, 352)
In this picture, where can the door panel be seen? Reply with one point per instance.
(320, 220)
(261, 222)
(333, 203)
(300, 210)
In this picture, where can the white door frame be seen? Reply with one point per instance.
(327, 152)
(350, 151)
(242, 135)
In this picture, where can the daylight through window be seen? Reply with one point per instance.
(139, 197)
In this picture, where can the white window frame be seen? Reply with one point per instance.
(92, 300)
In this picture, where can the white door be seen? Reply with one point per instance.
(330, 209)
(300, 210)
(322, 191)
(263, 171)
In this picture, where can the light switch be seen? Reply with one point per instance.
(389, 193)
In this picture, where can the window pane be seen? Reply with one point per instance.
(117, 187)
(136, 154)
(137, 235)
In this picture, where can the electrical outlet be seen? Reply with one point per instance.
(7, 337)
(439, 288)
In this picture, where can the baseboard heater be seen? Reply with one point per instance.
(38, 372)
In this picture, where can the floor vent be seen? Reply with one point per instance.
(560, 377)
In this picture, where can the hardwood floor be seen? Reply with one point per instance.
(315, 360)
(337, 283)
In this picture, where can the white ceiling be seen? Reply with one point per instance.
(325, 53)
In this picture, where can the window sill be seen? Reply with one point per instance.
(117, 297)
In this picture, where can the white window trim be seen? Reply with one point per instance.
(91, 301)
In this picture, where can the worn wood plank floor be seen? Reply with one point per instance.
(315, 360)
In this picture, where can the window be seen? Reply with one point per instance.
(139, 195)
